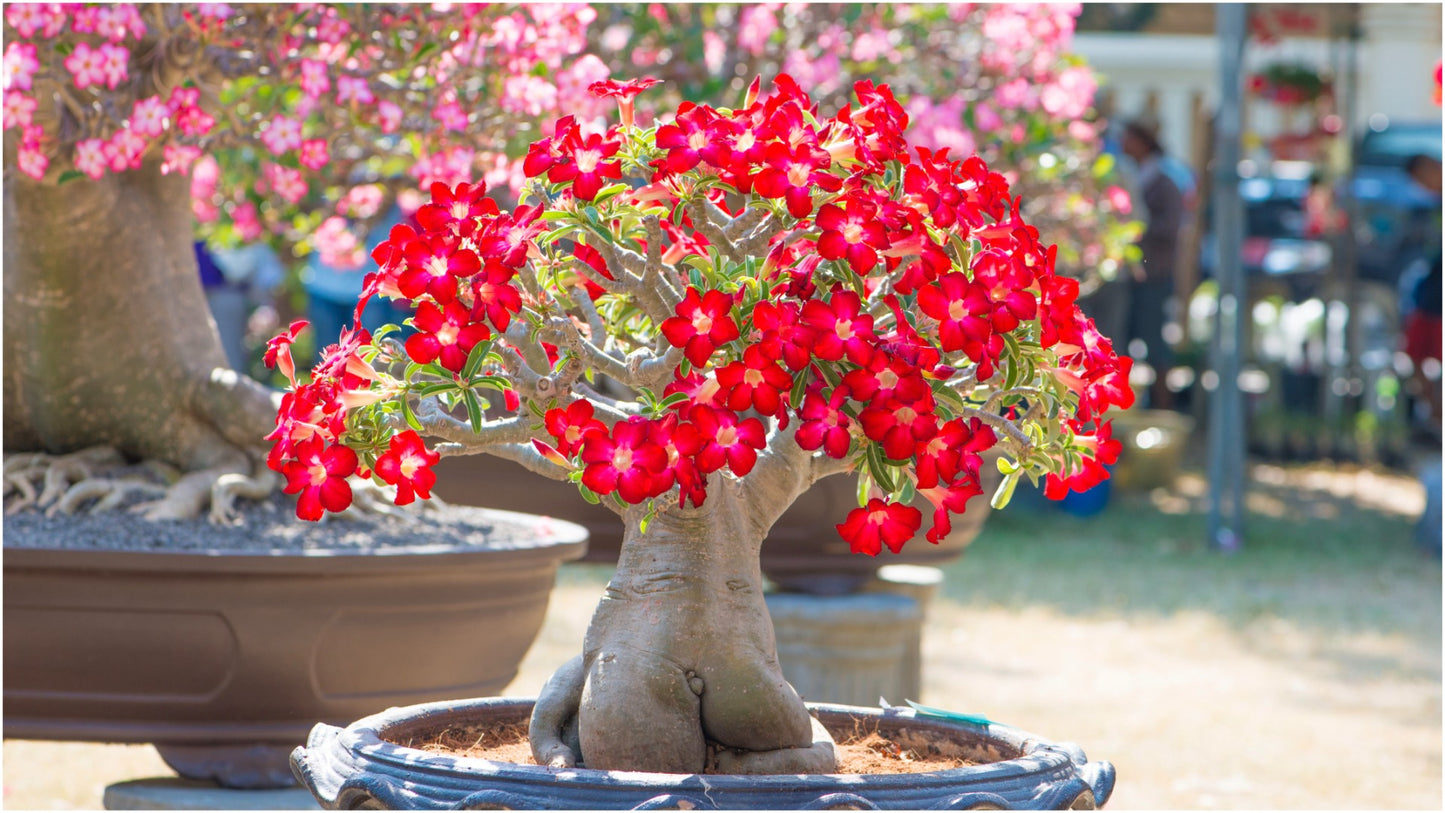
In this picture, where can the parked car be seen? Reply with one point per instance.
(1278, 247)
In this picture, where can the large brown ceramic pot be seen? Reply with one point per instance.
(803, 552)
(226, 660)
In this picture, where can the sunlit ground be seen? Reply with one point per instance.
(1302, 672)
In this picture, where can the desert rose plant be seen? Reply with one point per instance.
(127, 124)
(693, 321)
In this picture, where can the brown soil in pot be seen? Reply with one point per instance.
(870, 753)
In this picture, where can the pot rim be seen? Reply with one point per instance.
(563, 539)
(1036, 755)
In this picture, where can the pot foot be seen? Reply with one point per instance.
(255, 766)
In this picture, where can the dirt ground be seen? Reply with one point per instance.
(1269, 707)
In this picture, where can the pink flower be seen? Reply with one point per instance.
(285, 182)
(353, 89)
(756, 23)
(1070, 95)
(90, 157)
(528, 95)
(314, 80)
(19, 109)
(451, 116)
(20, 65)
(283, 134)
(125, 150)
(337, 245)
(361, 201)
(149, 116)
(388, 116)
(87, 65)
(178, 158)
(27, 18)
(113, 66)
(1119, 200)
(31, 160)
(1016, 94)
(314, 153)
(247, 222)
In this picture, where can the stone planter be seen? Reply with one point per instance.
(354, 767)
(802, 553)
(226, 660)
(1154, 441)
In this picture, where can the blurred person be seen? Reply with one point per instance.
(332, 292)
(1421, 323)
(1160, 203)
(236, 282)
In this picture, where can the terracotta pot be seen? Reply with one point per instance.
(358, 767)
(226, 660)
(802, 553)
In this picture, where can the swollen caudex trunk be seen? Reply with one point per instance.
(108, 339)
(680, 656)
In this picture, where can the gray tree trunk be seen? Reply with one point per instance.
(108, 340)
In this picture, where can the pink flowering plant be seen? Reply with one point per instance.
(997, 80)
(126, 125)
(692, 321)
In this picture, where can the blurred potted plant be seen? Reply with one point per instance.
(782, 295)
(124, 126)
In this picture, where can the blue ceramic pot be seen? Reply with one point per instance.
(358, 767)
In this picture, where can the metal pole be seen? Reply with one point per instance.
(1226, 418)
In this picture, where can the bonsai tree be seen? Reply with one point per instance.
(294, 124)
(693, 321)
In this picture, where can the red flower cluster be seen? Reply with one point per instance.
(883, 275)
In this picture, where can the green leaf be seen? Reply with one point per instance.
(878, 469)
(944, 714)
(1005, 491)
(69, 175)
(476, 358)
(410, 418)
(864, 484)
(474, 410)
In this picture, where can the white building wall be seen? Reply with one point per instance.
(1402, 43)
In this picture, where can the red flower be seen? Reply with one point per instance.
(1104, 451)
(278, 350)
(952, 498)
(886, 376)
(1005, 282)
(319, 475)
(456, 211)
(583, 162)
(824, 423)
(391, 253)
(899, 426)
(792, 173)
(716, 437)
(494, 295)
(782, 334)
(444, 334)
(689, 138)
(840, 328)
(613, 89)
(880, 523)
(702, 324)
(756, 382)
(508, 238)
(954, 450)
(628, 461)
(569, 426)
(698, 388)
(433, 265)
(853, 233)
(407, 465)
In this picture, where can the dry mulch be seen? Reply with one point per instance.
(870, 753)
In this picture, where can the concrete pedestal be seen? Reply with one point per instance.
(850, 649)
(921, 584)
(174, 793)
